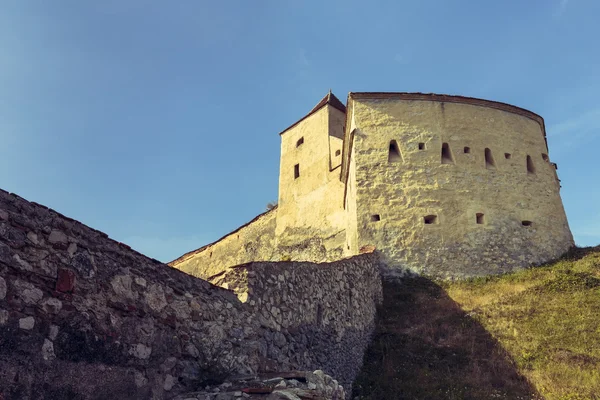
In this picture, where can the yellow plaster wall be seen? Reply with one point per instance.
(253, 242)
(402, 193)
(311, 206)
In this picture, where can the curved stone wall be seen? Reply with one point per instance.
(452, 186)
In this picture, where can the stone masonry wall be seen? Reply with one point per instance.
(85, 317)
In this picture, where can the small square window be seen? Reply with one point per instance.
(467, 150)
(421, 146)
(338, 152)
(480, 218)
(300, 141)
(430, 219)
(507, 156)
(375, 217)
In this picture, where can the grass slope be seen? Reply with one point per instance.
(532, 334)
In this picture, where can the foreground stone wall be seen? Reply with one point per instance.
(85, 317)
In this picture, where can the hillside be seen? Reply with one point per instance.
(526, 335)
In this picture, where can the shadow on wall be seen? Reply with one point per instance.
(426, 347)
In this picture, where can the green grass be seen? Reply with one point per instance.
(525, 335)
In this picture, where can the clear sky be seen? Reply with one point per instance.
(157, 121)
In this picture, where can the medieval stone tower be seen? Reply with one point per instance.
(443, 185)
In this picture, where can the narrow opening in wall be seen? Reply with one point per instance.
(210, 256)
(507, 156)
(447, 154)
(489, 159)
(530, 166)
(526, 223)
(394, 152)
(479, 217)
(421, 146)
(296, 171)
(375, 217)
(338, 152)
(300, 141)
(319, 314)
(545, 157)
(430, 219)
(467, 150)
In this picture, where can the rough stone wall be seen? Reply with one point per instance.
(254, 241)
(84, 317)
(392, 198)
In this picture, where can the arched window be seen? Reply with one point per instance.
(489, 159)
(530, 166)
(447, 154)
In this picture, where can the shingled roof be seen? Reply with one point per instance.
(328, 99)
(332, 101)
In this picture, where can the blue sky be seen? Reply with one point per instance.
(157, 122)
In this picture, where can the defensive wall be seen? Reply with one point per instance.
(448, 186)
(451, 186)
(85, 317)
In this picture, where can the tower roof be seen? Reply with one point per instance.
(328, 99)
(331, 100)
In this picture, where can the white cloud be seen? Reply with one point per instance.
(561, 8)
(585, 124)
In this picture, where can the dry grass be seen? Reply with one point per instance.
(527, 335)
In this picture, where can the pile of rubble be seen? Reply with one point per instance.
(294, 385)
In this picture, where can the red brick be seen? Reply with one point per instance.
(65, 282)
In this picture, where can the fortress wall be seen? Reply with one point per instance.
(392, 198)
(254, 241)
(311, 204)
(325, 309)
(85, 317)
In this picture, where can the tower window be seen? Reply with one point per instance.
(394, 152)
(296, 171)
(447, 154)
(430, 219)
(545, 157)
(479, 218)
(507, 156)
(300, 141)
(489, 159)
(375, 217)
(526, 223)
(467, 150)
(338, 152)
(530, 166)
(421, 146)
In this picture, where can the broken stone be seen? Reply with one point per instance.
(53, 332)
(140, 281)
(141, 351)
(33, 238)
(84, 264)
(52, 305)
(140, 379)
(155, 297)
(58, 237)
(168, 364)
(28, 293)
(2, 288)
(48, 350)
(3, 215)
(65, 281)
(27, 323)
(3, 317)
(169, 382)
(121, 284)
(72, 249)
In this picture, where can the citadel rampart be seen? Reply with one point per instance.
(442, 185)
(85, 317)
(451, 186)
